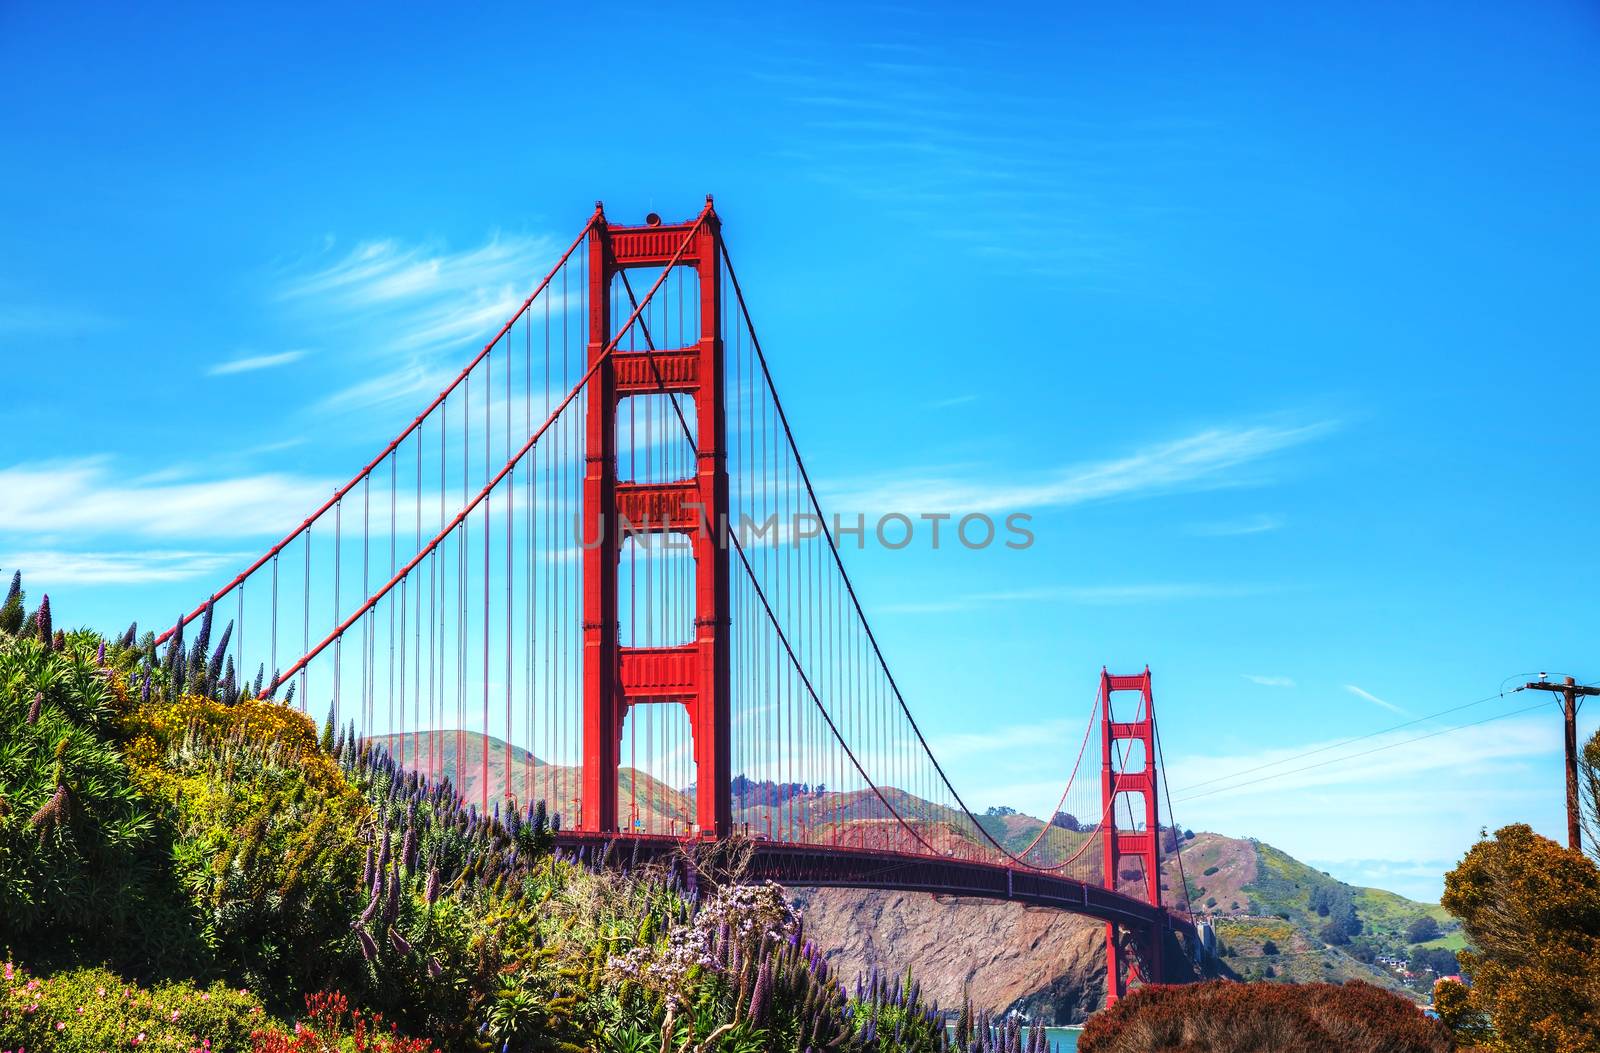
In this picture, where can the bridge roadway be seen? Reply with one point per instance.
(843, 867)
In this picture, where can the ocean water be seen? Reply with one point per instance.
(1062, 1039)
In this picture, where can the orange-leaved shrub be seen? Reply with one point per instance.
(1531, 909)
(1225, 1017)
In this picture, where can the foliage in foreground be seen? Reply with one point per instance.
(1224, 1017)
(93, 1010)
(331, 1026)
(1532, 910)
(203, 838)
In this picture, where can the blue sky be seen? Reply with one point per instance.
(1279, 323)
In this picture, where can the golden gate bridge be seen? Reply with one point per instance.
(594, 572)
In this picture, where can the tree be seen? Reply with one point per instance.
(1422, 930)
(1334, 933)
(1269, 948)
(1000, 811)
(1067, 821)
(1436, 960)
(1531, 910)
(1589, 790)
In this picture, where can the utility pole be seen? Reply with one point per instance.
(1571, 692)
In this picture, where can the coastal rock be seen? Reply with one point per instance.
(1046, 963)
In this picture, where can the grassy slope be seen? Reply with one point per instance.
(1255, 893)
(1279, 909)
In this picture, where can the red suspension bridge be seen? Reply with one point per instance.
(594, 572)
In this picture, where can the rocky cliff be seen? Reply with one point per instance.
(1046, 963)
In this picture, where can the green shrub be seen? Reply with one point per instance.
(84, 859)
(1208, 871)
(94, 1010)
(174, 836)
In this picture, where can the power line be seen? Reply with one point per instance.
(1363, 753)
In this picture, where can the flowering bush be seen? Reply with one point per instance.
(265, 839)
(741, 922)
(331, 1026)
(97, 1011)
(210, 834)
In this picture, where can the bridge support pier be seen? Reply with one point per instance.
(1140, 840)
(696, 675)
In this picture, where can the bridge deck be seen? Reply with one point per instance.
(844, 867)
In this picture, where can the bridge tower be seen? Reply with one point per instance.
(695, 675)
(1141, 844)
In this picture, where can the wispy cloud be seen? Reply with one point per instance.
(1326, 800)
(1271, 773)
(951, 402)
(416, 309)
(1008, 739)
(1083, 595)
(251, 363)
(86, 498)
(1374, 699)
(1208, 459)
(1237, 527)
(1268, 681)
(53, 567)
(1008, 174)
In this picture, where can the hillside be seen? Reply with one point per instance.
(1259, 898)
(649, 804)
(1051, 965)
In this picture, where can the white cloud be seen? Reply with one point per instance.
(420, 311)
(1110, 595)
(1268, 681)
(1417, 878)
(1371, 762)
(1397, 808)
(1008, 739)
(1082, 595)
(251, 363)
(53, 567)
(1207, 459)
(1374, 699)
(1238, 527)
(86, 498)
(376, 272)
